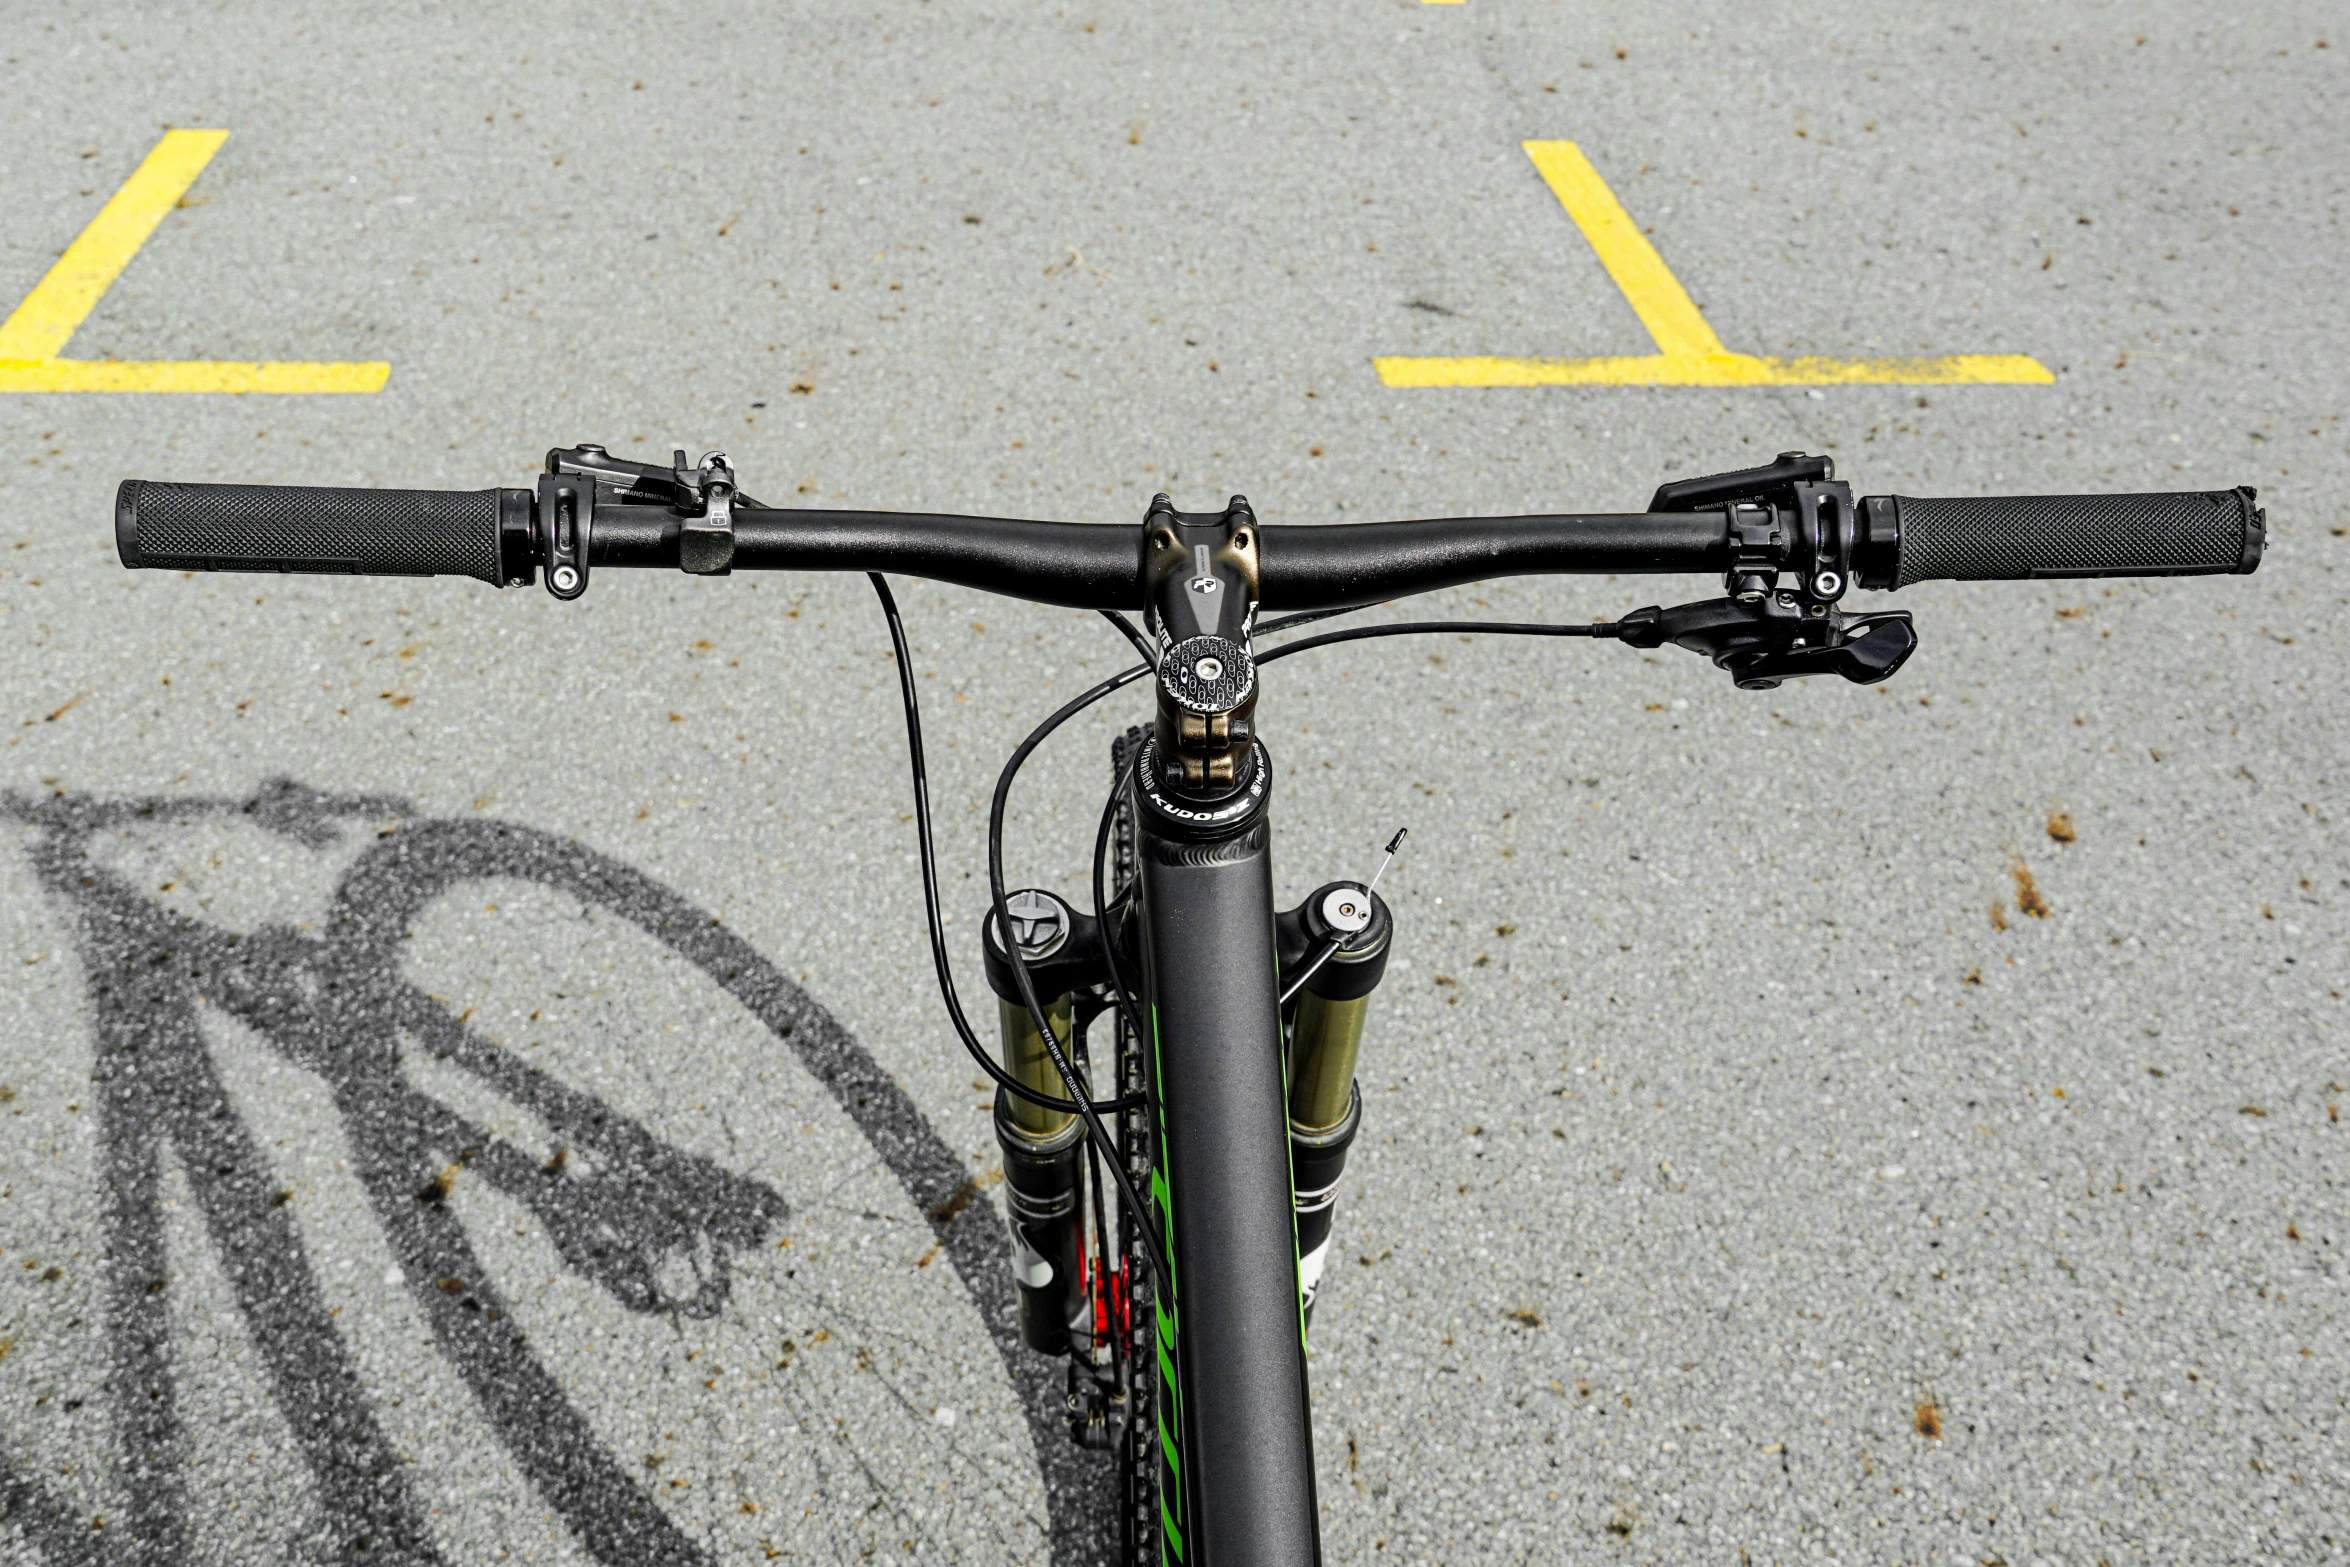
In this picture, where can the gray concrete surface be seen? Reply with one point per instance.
(1726, 1110)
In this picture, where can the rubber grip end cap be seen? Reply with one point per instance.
(126, 522)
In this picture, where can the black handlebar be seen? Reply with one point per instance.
(492, 536)
(1347, 565)
(1075, 565)
(486, 534)
(1096, 566)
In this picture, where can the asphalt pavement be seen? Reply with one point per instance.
(470, 1083)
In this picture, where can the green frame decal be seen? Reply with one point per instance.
(1165, 1306)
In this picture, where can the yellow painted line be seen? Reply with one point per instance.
(1690, 353)
(1656, 296)
(60, 301)
(33, 338)
(1723, 369)
(188, 375)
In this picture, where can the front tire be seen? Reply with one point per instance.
(1138, 1438)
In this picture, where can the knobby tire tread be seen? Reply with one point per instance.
(1138, 1443)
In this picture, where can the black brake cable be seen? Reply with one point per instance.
(1328, 949)
(1101, 844)
(1081, 1100)
(1125, 1005)
(1304, 617)
(999, 900)
(1510, 628)
(938, 935)
(1101, 1262)
(1126, 628)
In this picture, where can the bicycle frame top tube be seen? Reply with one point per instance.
(1237, 1478)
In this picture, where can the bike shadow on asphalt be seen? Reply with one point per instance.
(656, 1228)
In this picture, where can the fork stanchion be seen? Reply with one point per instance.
(1043, 1149)
(1325, 1039)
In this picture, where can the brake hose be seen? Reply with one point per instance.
(1081, 1102)
(938, 935)
(1081, 1095)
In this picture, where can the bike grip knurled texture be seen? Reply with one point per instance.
(2004, 537)
(262, 527)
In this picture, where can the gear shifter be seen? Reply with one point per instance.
(1777, 639)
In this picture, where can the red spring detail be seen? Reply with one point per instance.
(1110, 1297)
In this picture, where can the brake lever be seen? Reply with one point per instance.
(1792, 514)
(703, 495)
(1778, 638)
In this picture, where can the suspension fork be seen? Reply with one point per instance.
(1325, 1040)
(1044, 1149)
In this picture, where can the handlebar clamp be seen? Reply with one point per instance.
(567, 514)
(703, 495)
(1758, 543)
(1792, 514)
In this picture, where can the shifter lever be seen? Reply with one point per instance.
(1779, 638)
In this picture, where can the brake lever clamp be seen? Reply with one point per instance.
(566, 518)
(1781, 637)
(1792, 514)
(704, 496)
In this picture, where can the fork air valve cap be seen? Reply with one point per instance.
(1058, 944)
(1347, 910)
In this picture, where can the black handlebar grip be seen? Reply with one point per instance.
(483, 534)
(2003, 537)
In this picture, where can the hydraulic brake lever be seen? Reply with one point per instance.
(703, 495)
(1791, 514)
(1778, 638)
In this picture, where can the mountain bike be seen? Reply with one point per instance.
(1167, 1236)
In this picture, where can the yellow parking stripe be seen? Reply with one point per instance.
(34, 336)
(1689, 352)
(57, 304)
(1656, 296)
(191, 375)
